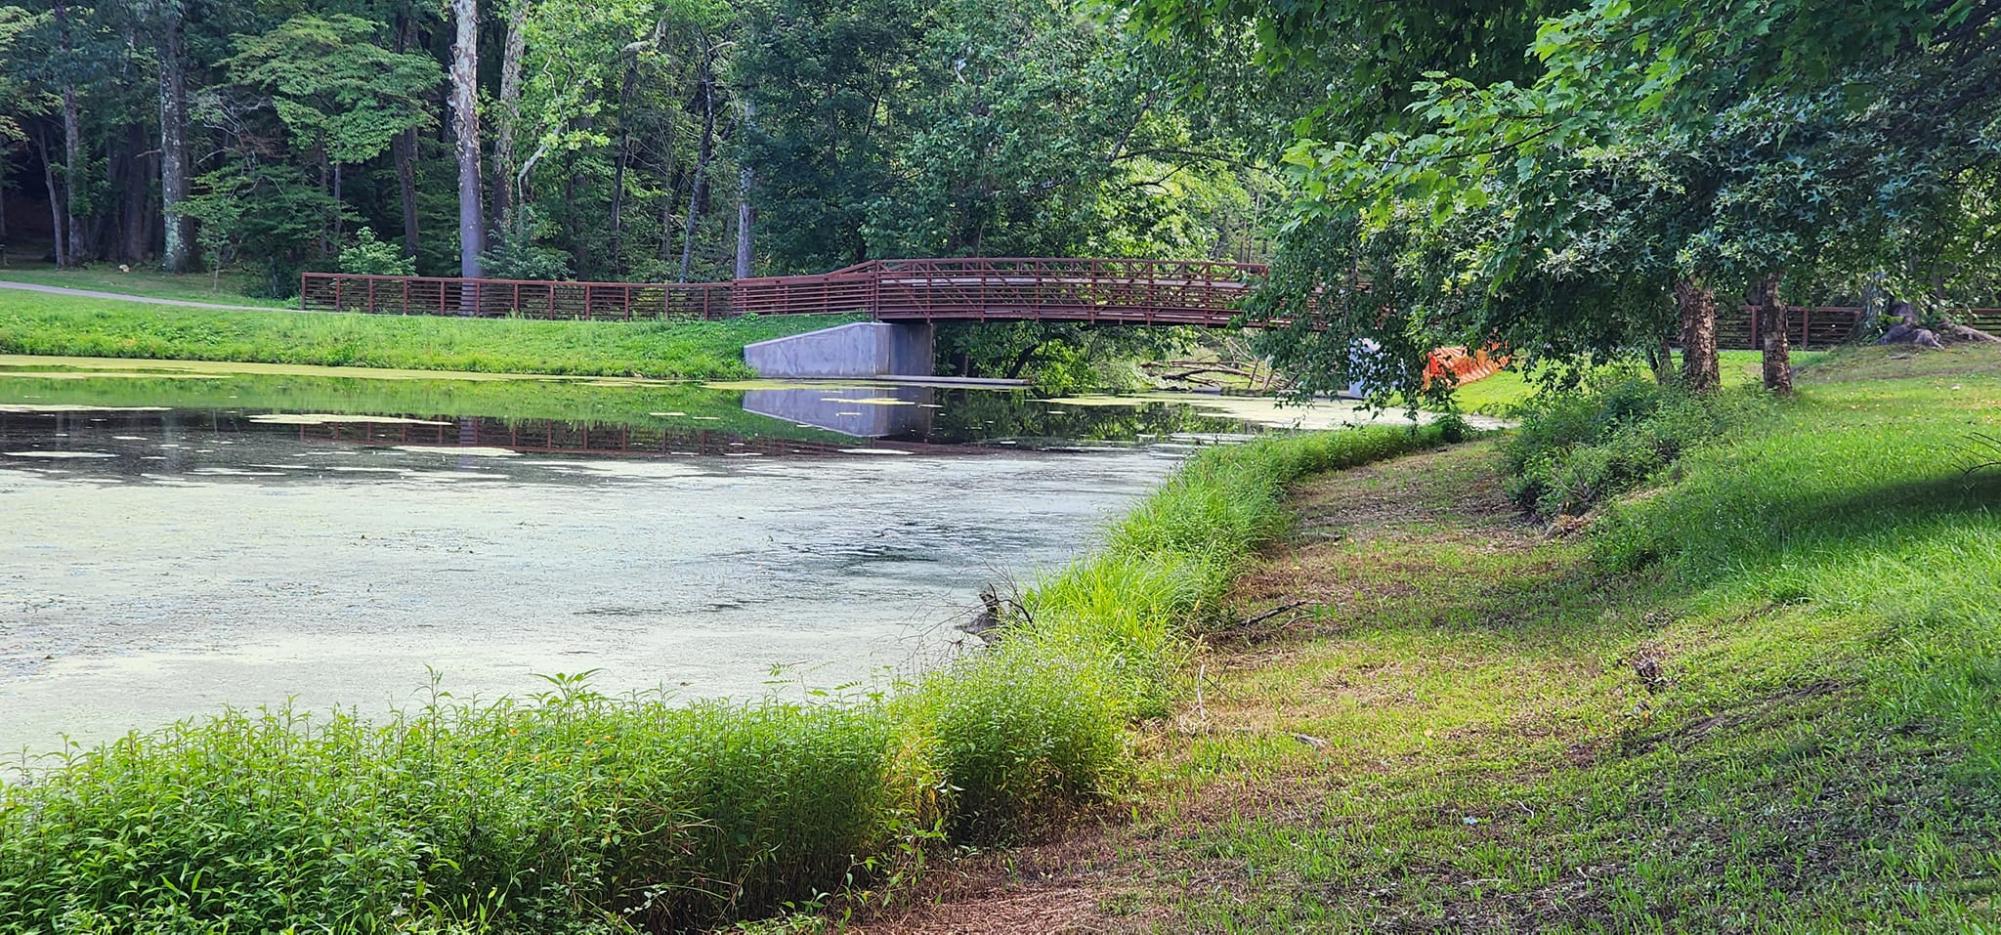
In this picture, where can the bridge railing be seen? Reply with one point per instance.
(848, 290)
(523, 298)
(1194, 292)
(1164, 291)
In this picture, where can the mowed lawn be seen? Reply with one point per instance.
(35, 323)
(226, 289)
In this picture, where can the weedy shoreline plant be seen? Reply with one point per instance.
(577, 812)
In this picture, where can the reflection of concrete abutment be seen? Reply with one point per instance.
(864, 412)
(863, 349)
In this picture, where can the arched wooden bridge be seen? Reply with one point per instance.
(1163, 292)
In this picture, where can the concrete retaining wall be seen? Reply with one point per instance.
(863, 349)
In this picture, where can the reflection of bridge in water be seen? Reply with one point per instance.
(874, 413)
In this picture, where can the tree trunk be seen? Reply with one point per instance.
(465, 130)
(700, 190)
(403, 150)
(505, 192)
(57, 231)
(1778, 351)
(1661, 358)
(745, 214)
(72, 144)
(1697, 304)
(339, 235)
(622, 159)
(136, 242)
(668, 204)
(178, 250)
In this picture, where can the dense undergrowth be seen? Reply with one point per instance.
(577, 812)
(1619, 431)
(33, 323)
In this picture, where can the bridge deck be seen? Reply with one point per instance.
(1205, 293)
(1183, 292)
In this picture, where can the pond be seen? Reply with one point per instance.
(181, 538)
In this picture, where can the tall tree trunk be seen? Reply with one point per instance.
(72, 143)
(465, 130)
(667, 215)
(403, 149)
(136, 194)
(700, 191)
(505, 191)
(57, 231)
(1778, 350)
(745, 214)
(178, 249)
(339, 237)
(1697, 304)
(621, 161)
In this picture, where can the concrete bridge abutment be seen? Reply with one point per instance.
(859, 350)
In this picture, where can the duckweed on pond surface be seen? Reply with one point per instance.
(186, 540)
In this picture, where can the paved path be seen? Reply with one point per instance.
(124, 297)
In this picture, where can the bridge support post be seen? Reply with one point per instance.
(863, 349)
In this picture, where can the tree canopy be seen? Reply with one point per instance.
(1557, 178)
(624, 139)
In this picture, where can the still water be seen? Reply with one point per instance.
(175, 541)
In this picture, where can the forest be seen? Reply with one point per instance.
(636, 139)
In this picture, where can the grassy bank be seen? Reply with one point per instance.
(576, 812)
(1500, 394)
(32, 323)
(665, 407)
(1754, 689)
(228, 289)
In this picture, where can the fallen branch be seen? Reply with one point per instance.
(1252, 621)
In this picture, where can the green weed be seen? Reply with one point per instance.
(574, 812)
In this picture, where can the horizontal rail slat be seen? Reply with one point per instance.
(1197, 292)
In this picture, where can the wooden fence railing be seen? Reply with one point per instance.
(1821, 326)
(524, 298)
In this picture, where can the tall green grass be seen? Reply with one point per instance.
(1106, 640)
(574, 812)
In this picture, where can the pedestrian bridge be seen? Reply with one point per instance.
(1143, 292)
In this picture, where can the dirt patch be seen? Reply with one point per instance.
(1067, 883)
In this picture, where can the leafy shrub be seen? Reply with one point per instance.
(371, 257)
(514, 253)
(1614, 434)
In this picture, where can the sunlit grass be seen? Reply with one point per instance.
(1758, 695)
(1500, 394)
(32, 323)
(228, 289)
